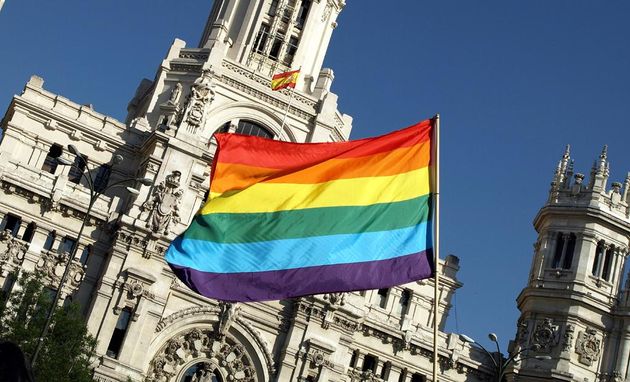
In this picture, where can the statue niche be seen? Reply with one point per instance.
(163, 206)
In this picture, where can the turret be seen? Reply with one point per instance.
(573, 307)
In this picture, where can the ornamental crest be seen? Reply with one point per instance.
(14, 252)
(546, 335)
(201, 94)
(53, 265)
(163, 207)
(588, 346)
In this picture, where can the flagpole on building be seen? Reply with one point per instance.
(288, 106)
(436, 238)
(286, 112)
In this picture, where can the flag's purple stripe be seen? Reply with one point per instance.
(277, 285)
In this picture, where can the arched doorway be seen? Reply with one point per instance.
(201, 372)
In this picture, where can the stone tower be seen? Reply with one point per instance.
(574, 309)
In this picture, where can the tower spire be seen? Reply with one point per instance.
(600, 171)
(560, 178)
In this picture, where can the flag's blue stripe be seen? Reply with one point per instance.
(207, 256)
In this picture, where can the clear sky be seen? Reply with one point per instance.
(513, 81)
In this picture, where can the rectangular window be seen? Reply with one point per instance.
(599, 252)
(568, 255)
(12, 224)
(418, 378)
(382, 297)
(607, 263)
(353, 359)
(29, 232)
(288, 12)
(302, 13)
(50, 163)
(273, 7)
(369, 363)
(50, 240)
(102, 177)
(291, 49)
(276, 46)
(115, 343)
(77, 169)
(403, 303)
(261, 39)
(85, 254)
(66, 245)
(557, 256)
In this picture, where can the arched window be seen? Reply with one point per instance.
(252, 128)
(201, 371)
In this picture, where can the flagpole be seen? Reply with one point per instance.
(288, 106)
(436, 236)
(290, 101)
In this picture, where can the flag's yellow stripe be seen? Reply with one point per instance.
(270, 197)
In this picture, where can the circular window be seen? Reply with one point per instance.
(202, 372)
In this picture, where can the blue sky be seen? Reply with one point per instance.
(514, 82)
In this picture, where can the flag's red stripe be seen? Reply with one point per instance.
(285, 74)
(260, 152)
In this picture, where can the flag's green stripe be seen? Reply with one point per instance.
(257, 227)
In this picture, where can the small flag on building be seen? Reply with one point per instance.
(290, 219)
(284, 80)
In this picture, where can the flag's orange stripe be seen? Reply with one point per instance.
(231, 176)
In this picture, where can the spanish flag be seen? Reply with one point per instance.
(292, 219)
(284, 80)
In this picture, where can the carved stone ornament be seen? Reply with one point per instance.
(227, 316)
(546, 335)
(336, 299)
(568, 337)
(13, 255)
(163, 207)
(226, 356)
(588, 346)
(53, 265)
(201, 95)
(175, 93)
(363, 376)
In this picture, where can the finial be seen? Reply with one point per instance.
(604, 153)
(567, 151)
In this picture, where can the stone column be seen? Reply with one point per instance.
(623, 353)
(584, 255)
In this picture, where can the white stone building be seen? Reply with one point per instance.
(148, 325)
(575, 311)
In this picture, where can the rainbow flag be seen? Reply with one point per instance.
(284, 80)
(293, 219)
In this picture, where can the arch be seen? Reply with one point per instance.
(249, 111)
(189, 336)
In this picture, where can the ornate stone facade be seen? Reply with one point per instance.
(149, 326)
(574, 309)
